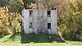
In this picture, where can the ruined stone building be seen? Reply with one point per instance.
(39, 21)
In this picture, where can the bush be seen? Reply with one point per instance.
(70, 22)
(8, 20)
(71, 25)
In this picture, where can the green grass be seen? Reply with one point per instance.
(39, 38)
(35, 40)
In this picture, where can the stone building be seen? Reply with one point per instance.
(39, 21)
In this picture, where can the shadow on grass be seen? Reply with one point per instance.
(1, 36)
(12, 37)
(39, 38)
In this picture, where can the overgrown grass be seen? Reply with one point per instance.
(39, 38)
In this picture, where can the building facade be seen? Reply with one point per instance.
(39, 21)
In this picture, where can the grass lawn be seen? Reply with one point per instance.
(35, 40)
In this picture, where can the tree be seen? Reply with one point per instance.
(69, 21)
(16, 5)
(10, 9)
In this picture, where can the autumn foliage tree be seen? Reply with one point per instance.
(10, 16)
(69, 23)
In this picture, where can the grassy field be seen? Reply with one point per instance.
(35, 40)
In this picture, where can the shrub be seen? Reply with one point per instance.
(8, 20)
(71, 25)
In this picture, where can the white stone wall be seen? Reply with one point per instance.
(39, 21)
(54, 21)
(25, 21)
(35, 14)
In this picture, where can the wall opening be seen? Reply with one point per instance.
(48, 13)
(30, 24)
(30, 13)
(49, 25)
